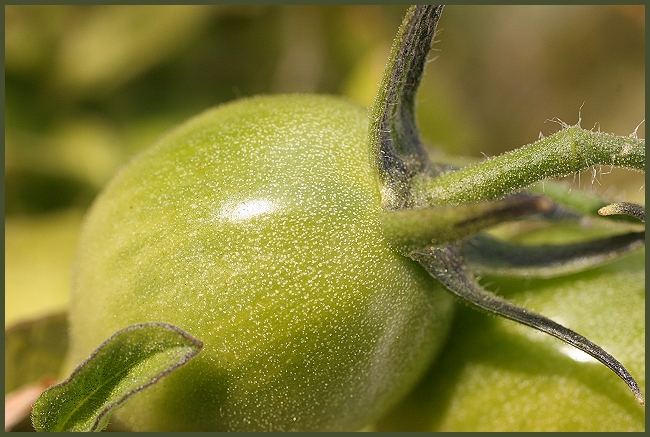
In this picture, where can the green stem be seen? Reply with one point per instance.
(569, 151)
(413, 229)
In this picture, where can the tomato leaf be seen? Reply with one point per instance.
(131, 360)
(394, 135)
(624, 208)
(485, 254)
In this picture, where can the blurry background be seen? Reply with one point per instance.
(87, 87)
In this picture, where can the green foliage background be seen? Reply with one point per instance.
(87, 87)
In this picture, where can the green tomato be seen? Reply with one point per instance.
(255, 227)
(496, 375)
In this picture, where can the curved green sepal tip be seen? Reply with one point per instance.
(130, 360)
(624, 208)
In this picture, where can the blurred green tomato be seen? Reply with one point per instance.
(496, 375)
(255, 228)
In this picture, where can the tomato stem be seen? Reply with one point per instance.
(569, 151)
(412, 229)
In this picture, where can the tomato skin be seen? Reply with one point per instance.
(497, 375)
(254, 227)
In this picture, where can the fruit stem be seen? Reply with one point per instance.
(569, 151)
(412, 229)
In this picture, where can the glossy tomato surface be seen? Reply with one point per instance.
(254, 227)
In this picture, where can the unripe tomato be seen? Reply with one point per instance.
(255, 228)
(496, 375)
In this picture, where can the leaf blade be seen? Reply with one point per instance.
(129, 361)
(394, 136)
